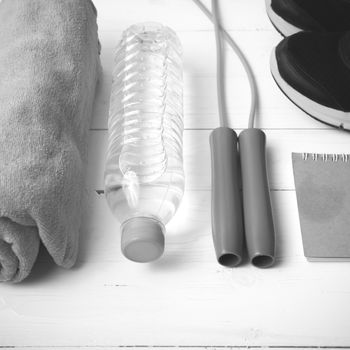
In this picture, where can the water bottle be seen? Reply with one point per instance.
(144, 177)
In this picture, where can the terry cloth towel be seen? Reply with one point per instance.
(49, 66)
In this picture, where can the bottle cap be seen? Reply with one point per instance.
(142, 239)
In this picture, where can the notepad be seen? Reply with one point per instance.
(322, 183)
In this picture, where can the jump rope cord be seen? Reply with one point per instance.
(219, 33)
(220, 70)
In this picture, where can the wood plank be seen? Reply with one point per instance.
(280, 144)
(182, 15)
(185, 298)
(200, 102)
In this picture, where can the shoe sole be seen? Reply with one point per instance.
(282, 26)
(330, 116)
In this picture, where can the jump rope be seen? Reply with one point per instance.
(239, 218)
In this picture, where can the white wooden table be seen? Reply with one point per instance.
(186, 299)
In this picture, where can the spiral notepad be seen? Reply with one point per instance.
(322, 183)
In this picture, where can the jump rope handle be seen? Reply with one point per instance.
(258, 220)
(230, 170)
(226, 212)
(227, 223)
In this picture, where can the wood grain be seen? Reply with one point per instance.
(280, 145)
(185, 298)
(200, 105)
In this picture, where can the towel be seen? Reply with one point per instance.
(49, 68)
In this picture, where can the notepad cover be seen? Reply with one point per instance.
(322, 185)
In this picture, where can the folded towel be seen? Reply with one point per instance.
(49, 67)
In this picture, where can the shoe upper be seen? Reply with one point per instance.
(315, 15)
(317, 65)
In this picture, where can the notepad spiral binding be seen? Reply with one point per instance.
(326, 157)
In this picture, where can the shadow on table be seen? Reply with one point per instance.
(276, 211)
(43, 269)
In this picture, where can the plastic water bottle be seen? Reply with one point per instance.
(144, 178)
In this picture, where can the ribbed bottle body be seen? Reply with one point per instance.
(144, 169)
